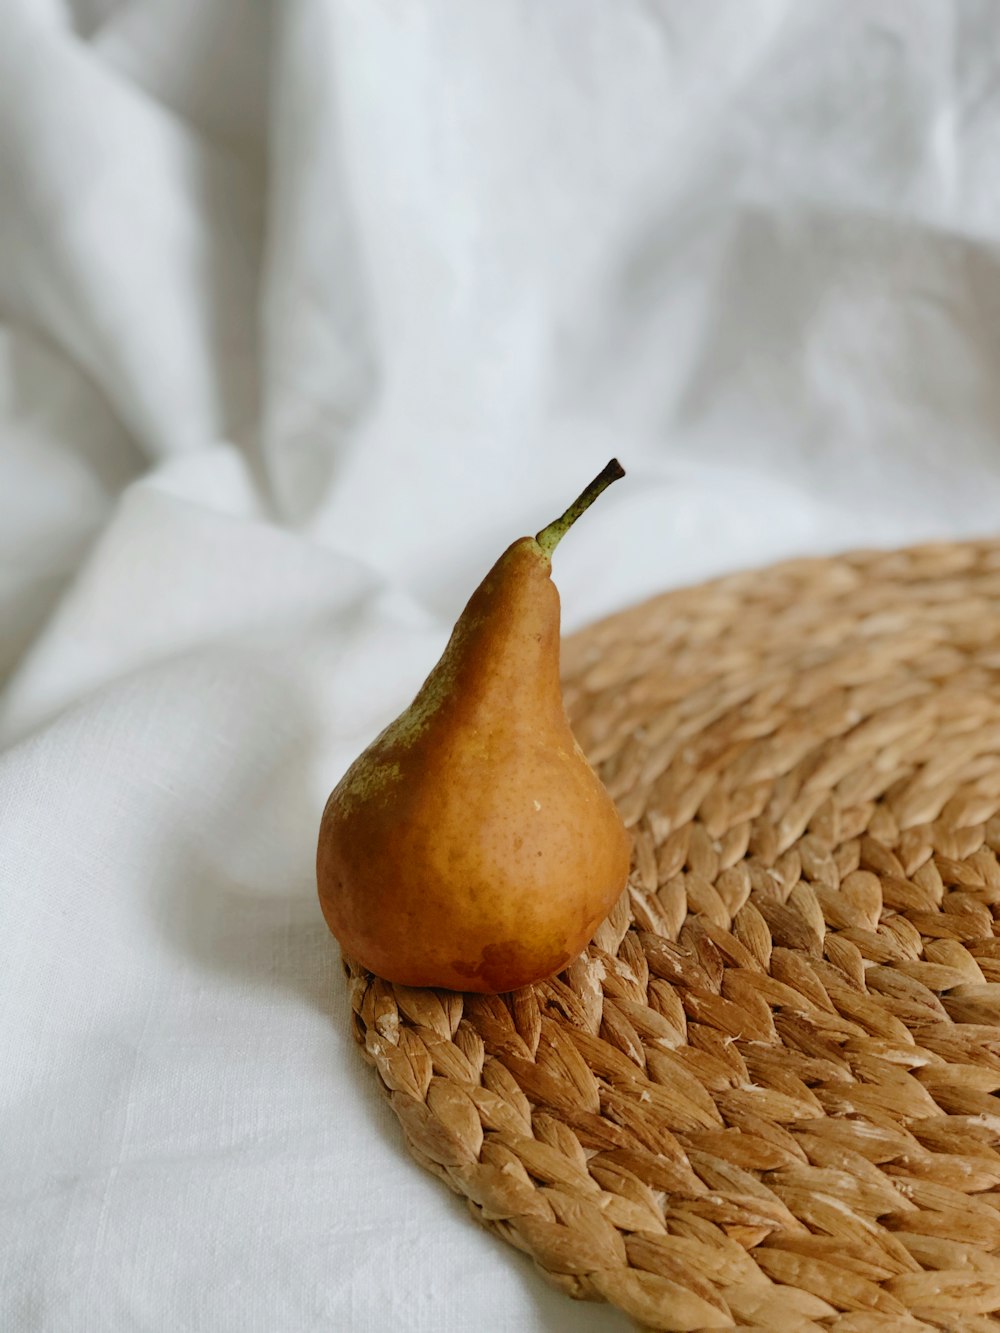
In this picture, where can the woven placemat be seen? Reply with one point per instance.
(766, 1096)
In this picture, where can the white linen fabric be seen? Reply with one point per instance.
(306, 310)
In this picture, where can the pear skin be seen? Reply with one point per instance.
(472, 846)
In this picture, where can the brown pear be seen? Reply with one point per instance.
(472, 846)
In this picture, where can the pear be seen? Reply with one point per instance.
(472, 846)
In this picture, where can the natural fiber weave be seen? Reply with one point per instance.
(765, 1097)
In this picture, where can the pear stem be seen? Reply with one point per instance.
(549, 538)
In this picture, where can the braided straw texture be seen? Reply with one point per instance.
(765, 1096)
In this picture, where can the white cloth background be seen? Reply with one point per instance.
(306, 310)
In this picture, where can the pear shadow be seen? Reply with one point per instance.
(554, 1312)
(233, 926)
(243, 932)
